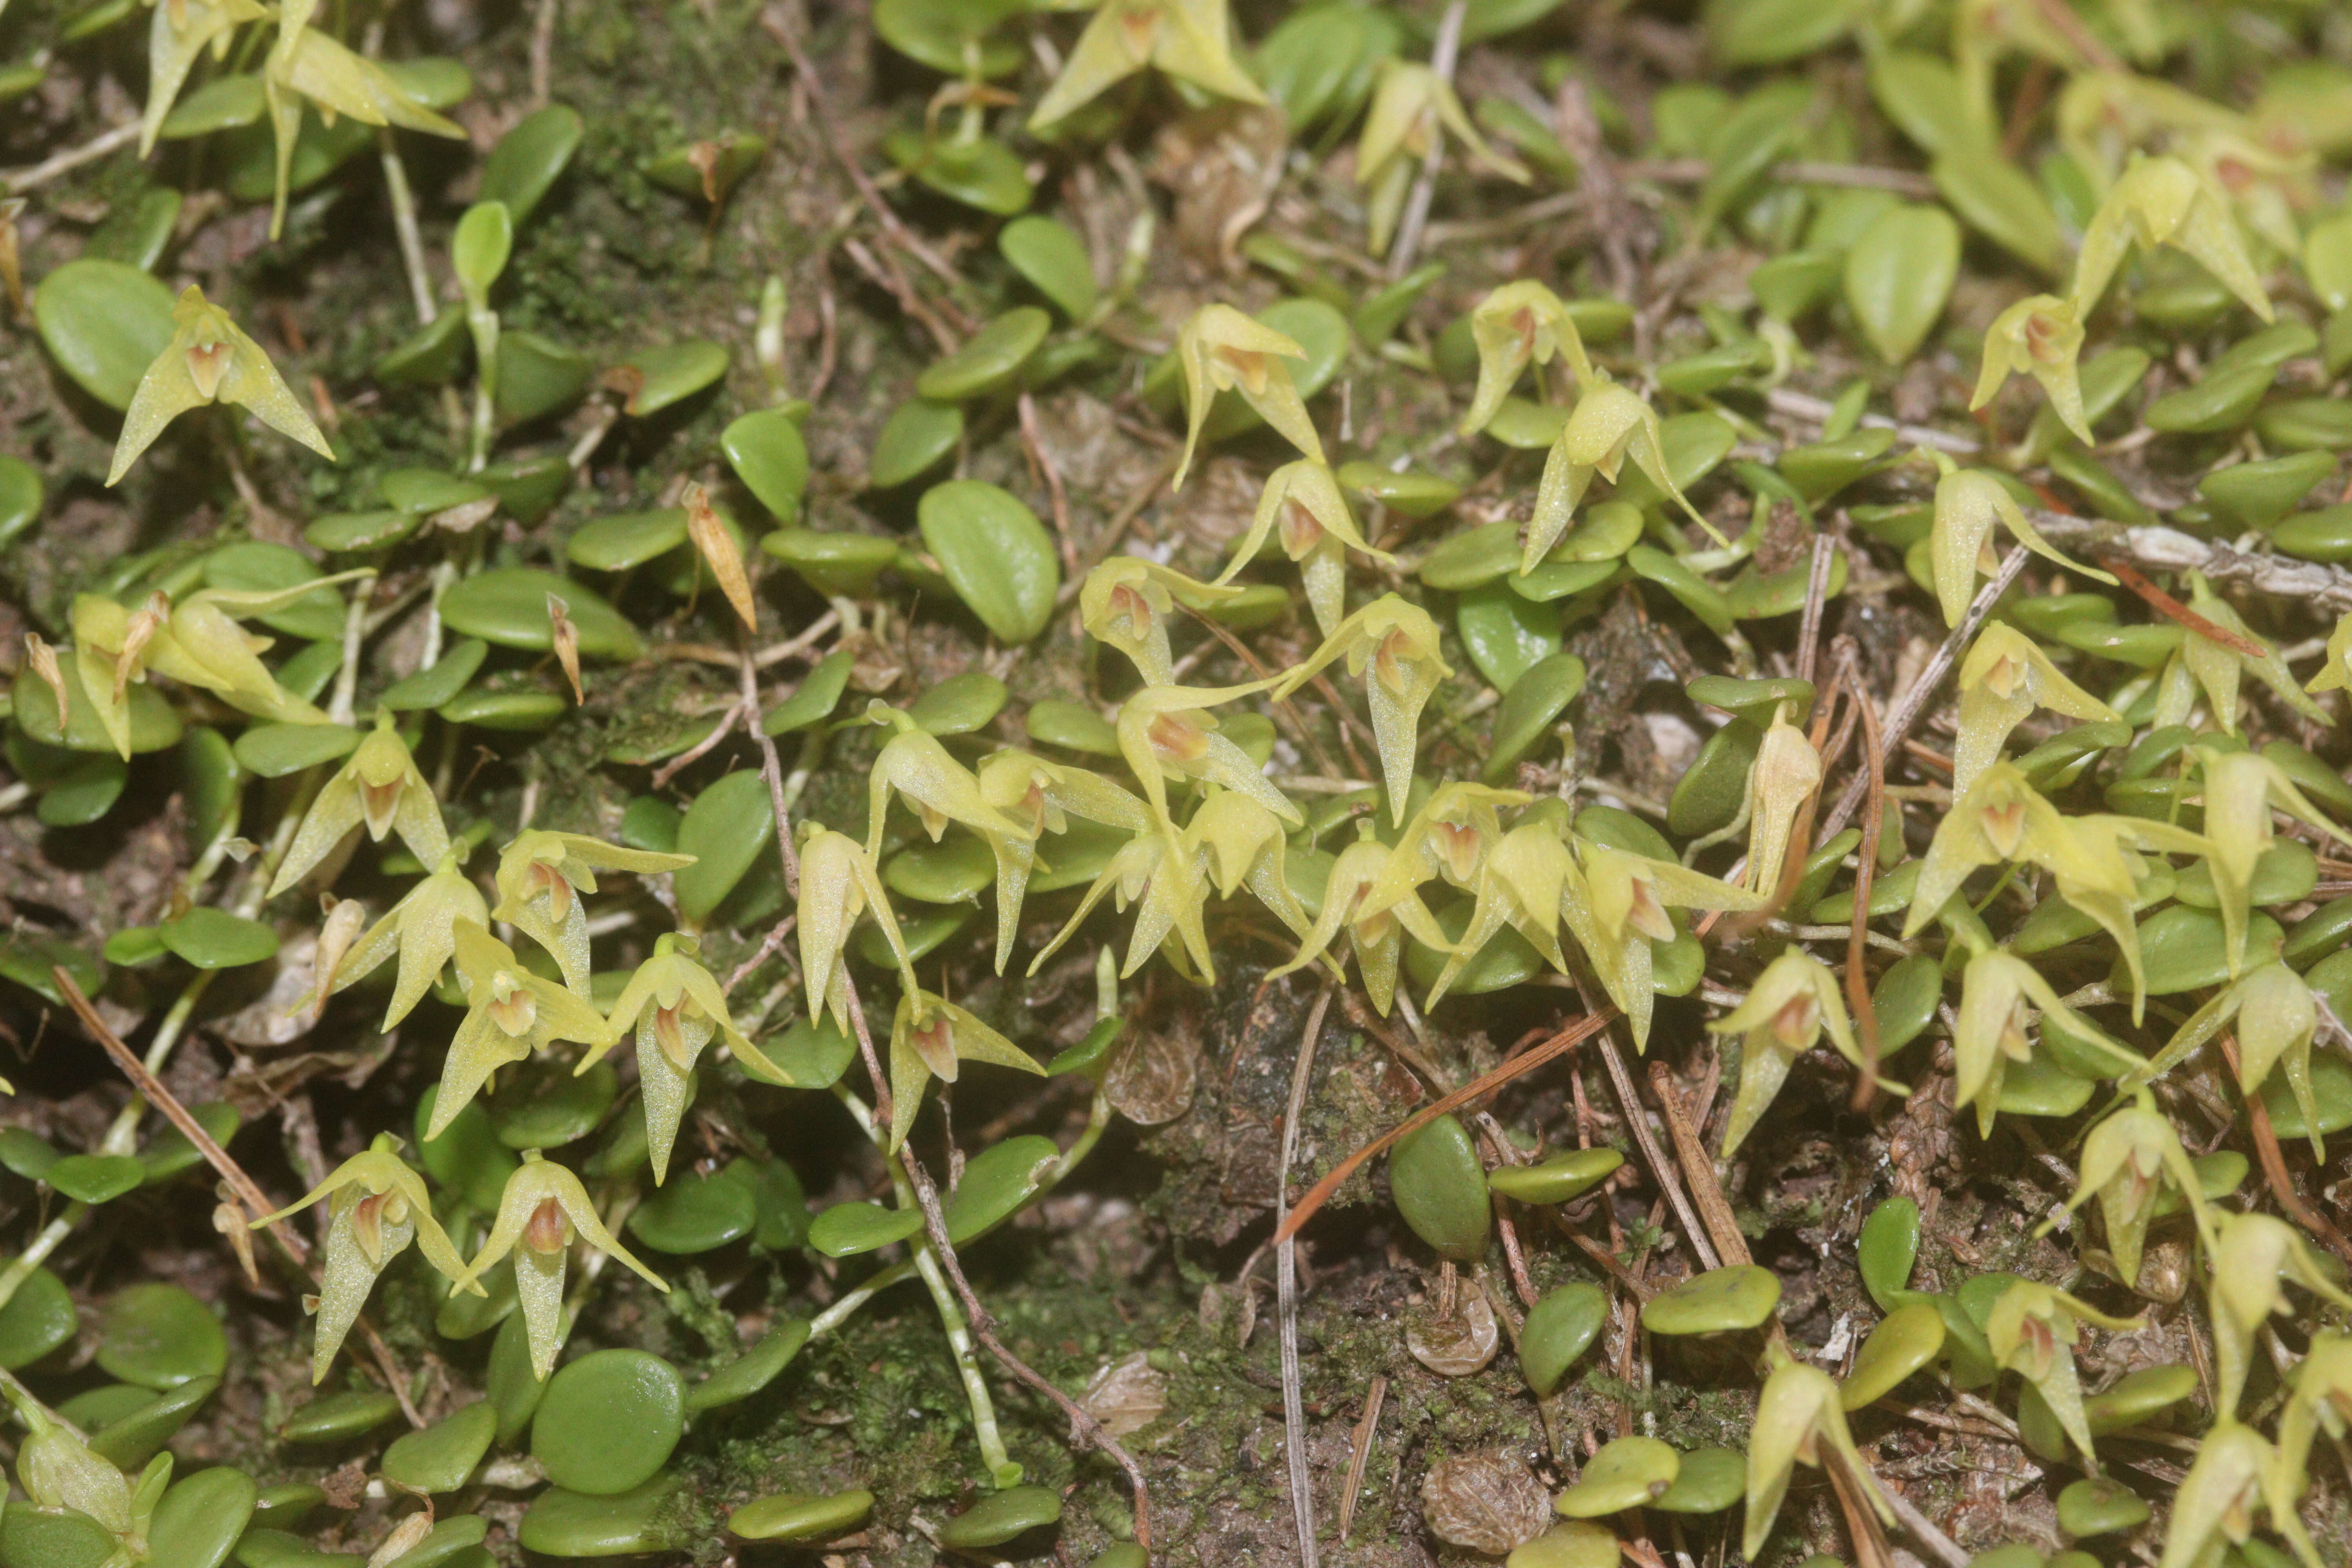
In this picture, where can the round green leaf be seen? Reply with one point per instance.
(812, 1054)
(480, 245)
(20, 497)
(104, 323)
(216, 939)
(658, 377)
(1506, 633)
(1740, 1297)
(1572, 1544)
(53, 1537)
(1899, 274)
(1073, 726)
(440, 684)
(951, 37)
(1051, 256)
(691, 1214)
(1473, 557)
(547, 1105)
(154, 724)
(994, 1520)
(627, 539)
(160, 1336)
(1908, 1340)
(527, 487)
(430, 355)
(1628, 1472)
(752, 1371)
(2259, 493)
(1406, 493)
(777, 1200)
(995, 554)
(799, 1517)
(2096, 1505)
(845, 1230)
(954, 871)
(530, 158)
(917, 437)
(538, 377)
(729, 825)
(136, 1436)
(440, 1457)
(997, 1182)
(816, 697)
(1711, 1480)
(985, 173)
(338, 1417)
(84, 793)
(562, 1523)
(38, 1318)
(2223, 401)
(224, 103)
(768, 454)
(96, 1178)
(1440, 1189)
(988, 360)
(508, 605)
(1559, 1328)
(274, 751)
(1888, 1245)
(466, 1158)
(28, 960)
(832, 563)
(608, 1421)
(958, 705)
(1557, 1180)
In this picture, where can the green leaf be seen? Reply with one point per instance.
(1720, 1300)
(988, 360)
(468, 1158)
(508, 605)
(811, 1055)
(1628, 1472)
(917, 437)
(1711, 1479)
(997, 1182)
(537, 377)
(435, 686)
(752, 1371)
(104, 323)
(766, 450)
(1561, 1326)
(545, 1105)
(1564, 1176)
(479, 248)
(1440, 1189)
(1887, 1248)
(224, 103)
(561, 1523)
(38, 1318)
(338, 1417)
(982, 174)
(626, 540)
(609, 1421)
(1051, 256)
(997, 556)
(955, 870)
(813, 701)
(835, 564)
(216, 939)
(951, 37)
(1506, 635)
(658, 377)
(846, 1230)
(20, 498)
(274, 751)
(441, 1456)
(96, 1178)
(1999, 201)
(729, 825)
(430, 355)
(84, 793)
(160, 1336)
(1073, 726)
(1898, 276)
(1473, 557)
(793, 1517)
(200, 1517)
(960, 705)
(691, 1214)
(28, 960)
(2098, 1506)
(137, 1435)
(777, 1200)
(528, 159)
(527, 487)
(994, 1520)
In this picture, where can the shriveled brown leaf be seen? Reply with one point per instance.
(1126, 1395)
(1487, 1503)
(1454, 1345)
(1152, 1081)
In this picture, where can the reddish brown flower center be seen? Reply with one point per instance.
(1178, 739)
(548, 1229)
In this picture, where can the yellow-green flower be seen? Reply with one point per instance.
(1517, 325)
(839, 883)
(1043, 796)
(2127, 1161)
(2041, 337)
(2032, 1332)
(943, 790)
(1799, 1419)
(307, 65)
(209, 358)
(1127, 602)
(1191, 39)
(2233, 1474)
(2162, 201)
(542, 1208)
(420, 928)
(1242, 841)
(932, 1038)
(1786, 1011)
(1610, 424)
(2253, 1256)
(1785, 773)
(377, 1206)
(1413, 110)
(379, 786)
(509, 1014)
(675, 1005)
(1220, 350)
(1166, 877)
(1376, 935)
(1968, 501)
(181, 32)
(1393, 645)
(2004, 678)
(1168, 731)
(1991, 1033)
(198, 643)
(541, 876)
(1316, 531)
